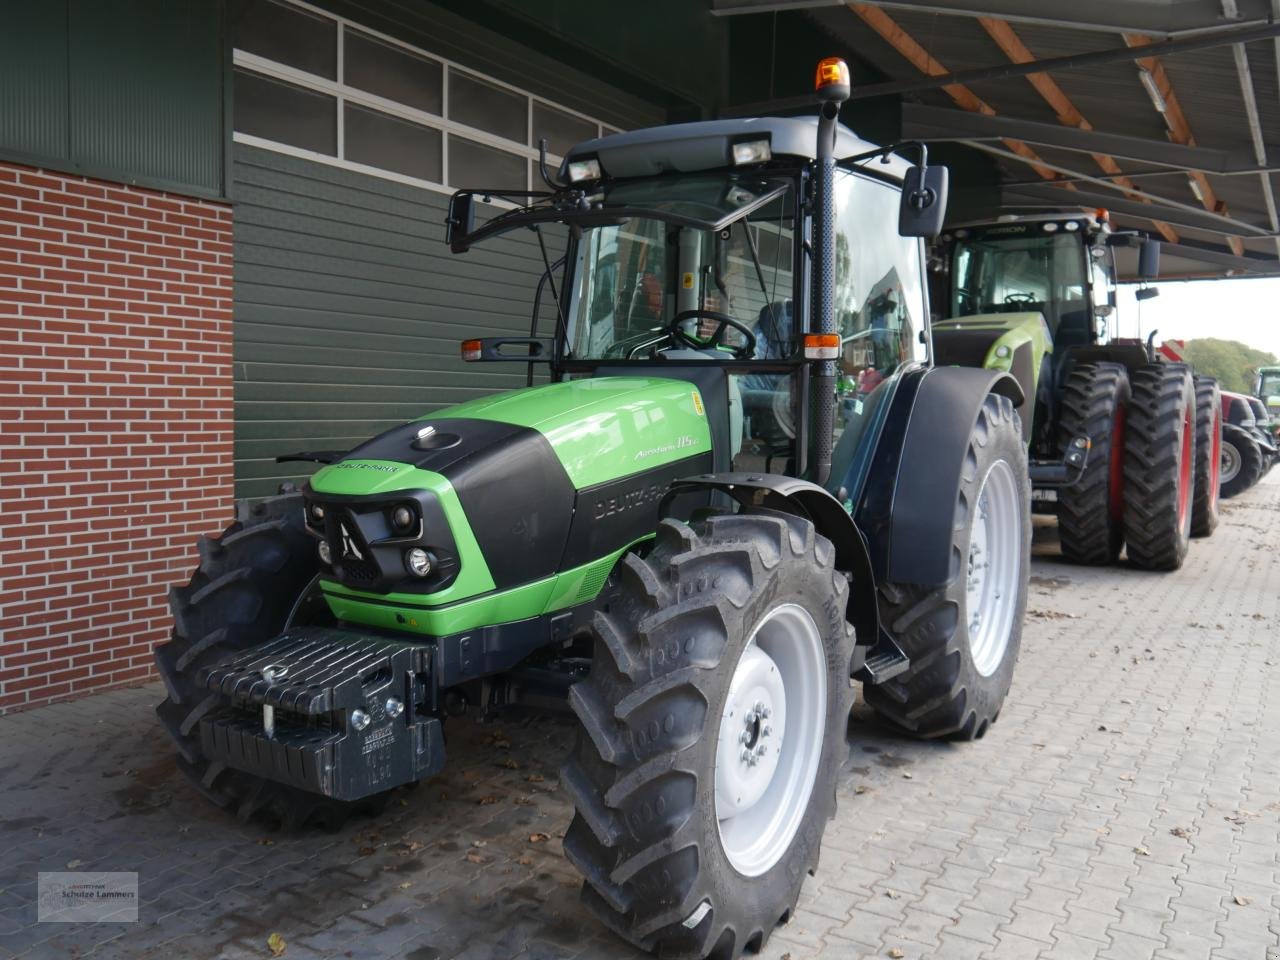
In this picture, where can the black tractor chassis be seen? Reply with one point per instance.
(350, 712)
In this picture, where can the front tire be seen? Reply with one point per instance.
(962, 638)
(1243, 462)
(1094, 404)
(1204, 505)
(687, 848)
(251, 581)
(1159, 458)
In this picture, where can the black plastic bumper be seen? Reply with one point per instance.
(327, 710)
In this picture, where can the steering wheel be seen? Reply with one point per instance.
(1020, 298)
(723, 321)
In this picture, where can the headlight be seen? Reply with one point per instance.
(752, 151)
(580, 170)
(402, 519)
(418, 561)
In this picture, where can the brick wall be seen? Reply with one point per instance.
(115, 422)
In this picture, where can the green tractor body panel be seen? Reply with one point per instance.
(614, 444)
(603, 428)
(1013, 343)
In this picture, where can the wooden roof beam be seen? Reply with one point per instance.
(922, 60)
(1180, 129)
(1069, 115)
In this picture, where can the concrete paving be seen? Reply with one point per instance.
(1125, 807)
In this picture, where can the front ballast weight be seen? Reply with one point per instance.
(327, 710)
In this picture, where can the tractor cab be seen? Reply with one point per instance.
(686, 259)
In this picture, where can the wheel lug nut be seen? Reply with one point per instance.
(766, 713)
(746, 756)
(766, 731)
(749, 719)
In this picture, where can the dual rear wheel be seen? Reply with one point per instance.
(1150, 479)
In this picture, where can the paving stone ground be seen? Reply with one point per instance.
(1125, 807)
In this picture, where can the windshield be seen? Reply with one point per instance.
(635, 276)
(1269, 385)
(1043, 273)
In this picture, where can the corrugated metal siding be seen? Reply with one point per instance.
(33, 78)
(146, 84)
(128, 90)
(349, 309)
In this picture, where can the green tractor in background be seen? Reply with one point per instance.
(1124, 446)
(744, 488)
(1267, 389)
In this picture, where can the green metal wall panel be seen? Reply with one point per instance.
(349, 309)
(33, 78)
(126, 90)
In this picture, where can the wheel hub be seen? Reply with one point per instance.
(770, 740)
(751, 733)
(1230, 463)
(994, 567)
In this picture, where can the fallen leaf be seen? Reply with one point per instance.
(906, 775)
(366, 851)
(474, 858)
(406, 885)
(404, 802)
(524, 801)
(892, 894)
(1126, 776)
(539, 837)
(525, 860)
(861, 788)
(896, 953)
(1142, 851)
(276, 944)
(509, 764)
(1242, 901)
(488, 801)
(479, 843)
(73, 864)
(1182, 832)
(535, 778)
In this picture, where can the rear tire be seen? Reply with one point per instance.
(649, 773)
(248, 584)
(1204, 505)
(1158, 466)
(1242, 462)
(1094, 404)
(959, 674)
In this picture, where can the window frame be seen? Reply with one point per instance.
(342, 93)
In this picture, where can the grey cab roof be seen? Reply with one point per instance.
(708, 144)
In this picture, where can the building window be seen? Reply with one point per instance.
(310, 81)
(277, 110)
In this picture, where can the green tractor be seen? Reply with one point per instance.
(1267, 389)
(744, 487)
(1123, 445)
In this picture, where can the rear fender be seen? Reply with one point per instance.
(829, 518)
(909, 507)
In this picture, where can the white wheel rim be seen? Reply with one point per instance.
(1230, 462)
(770, 742)
(994, 568)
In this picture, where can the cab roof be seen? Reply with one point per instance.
(708, 145)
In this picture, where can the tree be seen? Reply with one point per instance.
(1232, 362)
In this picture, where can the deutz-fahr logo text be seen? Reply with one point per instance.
(679, 444)
(642, 496)
(357, 465)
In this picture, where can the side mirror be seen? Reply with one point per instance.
(1149, 259)
(461, 221)
(1146, 293)
(924, 202)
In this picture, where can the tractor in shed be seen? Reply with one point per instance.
(743, 488)
(1122, 442)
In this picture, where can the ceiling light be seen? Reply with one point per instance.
(1194, 184)
(1153, 90)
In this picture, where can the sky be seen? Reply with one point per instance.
(1247, 310)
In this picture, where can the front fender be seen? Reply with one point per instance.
(829, 518)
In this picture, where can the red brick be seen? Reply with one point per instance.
(94, 352)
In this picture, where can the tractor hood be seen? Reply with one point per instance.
(523, 501)
(598, 430)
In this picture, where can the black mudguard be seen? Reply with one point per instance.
(909, 504)
(828, 517)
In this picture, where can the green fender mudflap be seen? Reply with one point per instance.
(327, 710)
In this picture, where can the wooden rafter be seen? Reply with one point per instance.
(922, 60)
(1180, 129)
(1068, 113)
